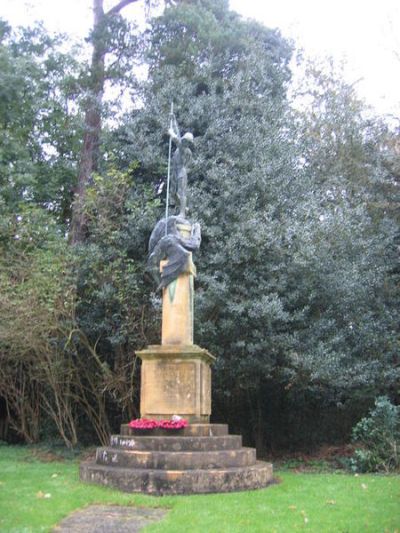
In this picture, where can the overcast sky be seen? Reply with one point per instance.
(366, 33)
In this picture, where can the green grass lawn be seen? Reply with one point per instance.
(35, 495)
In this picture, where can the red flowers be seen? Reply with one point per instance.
(149, 423)
(143, 423)
(172, 424)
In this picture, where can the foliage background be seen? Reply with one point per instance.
(296, 190)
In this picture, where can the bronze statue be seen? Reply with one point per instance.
(167, 240)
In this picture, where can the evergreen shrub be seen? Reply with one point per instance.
(379, 437)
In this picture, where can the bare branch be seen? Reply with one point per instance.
(117, 8)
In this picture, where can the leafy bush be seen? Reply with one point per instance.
(379, 436)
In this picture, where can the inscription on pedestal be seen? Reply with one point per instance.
(170, 387)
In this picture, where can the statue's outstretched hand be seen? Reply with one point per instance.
(173, 134)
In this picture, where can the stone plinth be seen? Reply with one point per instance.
(177, 308)
(176, 380)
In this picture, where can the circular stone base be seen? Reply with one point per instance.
(202, 459)
(160, 482)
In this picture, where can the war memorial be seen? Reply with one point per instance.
(173, 448)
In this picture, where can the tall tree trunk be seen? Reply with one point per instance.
(89, 158)
(90, 148)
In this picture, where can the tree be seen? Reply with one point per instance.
(77, 318)
(39, 129)
(228, 80)
(297, 291)
(71, 317)
(346, 258)
(111, 36)
(293, 266)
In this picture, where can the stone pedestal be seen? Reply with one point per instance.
(176, 380)
(177, 308)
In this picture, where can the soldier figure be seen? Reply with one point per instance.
(180, 159)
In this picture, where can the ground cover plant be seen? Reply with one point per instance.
(38, 489)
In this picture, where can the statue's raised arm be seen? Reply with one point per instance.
(174, 132)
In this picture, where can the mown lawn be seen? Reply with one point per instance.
(35, 495)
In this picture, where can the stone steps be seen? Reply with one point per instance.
(175, 460)
(162, 482)
(198, 459)
(176, 443)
